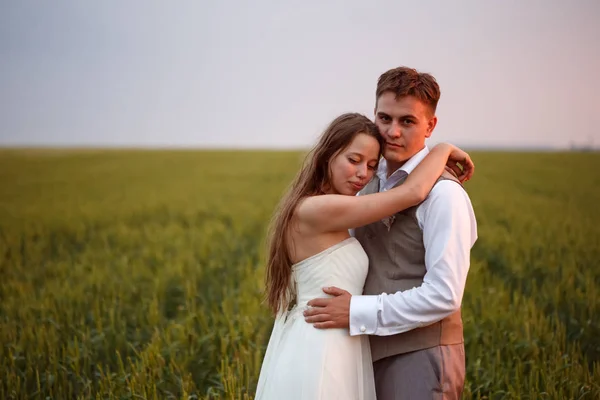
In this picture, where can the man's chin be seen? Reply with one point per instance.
(396, 155)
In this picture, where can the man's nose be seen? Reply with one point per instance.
(394, 132)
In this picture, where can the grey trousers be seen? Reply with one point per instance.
(435, 373)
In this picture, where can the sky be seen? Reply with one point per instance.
(273, 74)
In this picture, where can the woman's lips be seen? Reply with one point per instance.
(357, 186)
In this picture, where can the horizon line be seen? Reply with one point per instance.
(138, 147)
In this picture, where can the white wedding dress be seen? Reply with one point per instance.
(305, 363)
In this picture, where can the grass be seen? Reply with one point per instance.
(139, 274)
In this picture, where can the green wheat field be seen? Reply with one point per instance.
(130, 274)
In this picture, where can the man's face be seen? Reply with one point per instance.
(404, 123)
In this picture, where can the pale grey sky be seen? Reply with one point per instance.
(273, 73)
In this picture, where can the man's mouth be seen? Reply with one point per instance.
(393, 145)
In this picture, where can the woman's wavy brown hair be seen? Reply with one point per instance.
(311, 180)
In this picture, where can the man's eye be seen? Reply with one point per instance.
(407, 121)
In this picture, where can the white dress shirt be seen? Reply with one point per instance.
(449, 228)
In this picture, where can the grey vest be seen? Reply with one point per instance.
(397, 263)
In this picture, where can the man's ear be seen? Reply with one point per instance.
(431, 125)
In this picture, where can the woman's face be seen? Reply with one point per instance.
(354, 166)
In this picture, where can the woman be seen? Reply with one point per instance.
(310, 248)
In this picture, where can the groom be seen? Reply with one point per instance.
(419, 259)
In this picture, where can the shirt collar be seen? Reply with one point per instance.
(408, 166)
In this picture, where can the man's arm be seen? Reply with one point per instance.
(449, 232)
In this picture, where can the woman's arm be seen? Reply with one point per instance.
(330, 213)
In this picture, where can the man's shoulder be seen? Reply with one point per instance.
(447, 192)
(448, 200)
(449, 175)
(447, 185)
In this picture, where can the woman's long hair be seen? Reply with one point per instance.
(313, 177)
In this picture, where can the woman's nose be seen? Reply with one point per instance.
(361, 171)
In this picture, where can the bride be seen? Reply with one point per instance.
(310, 248)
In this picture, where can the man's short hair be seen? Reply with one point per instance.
(404, 81)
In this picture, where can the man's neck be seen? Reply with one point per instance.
(393, 166)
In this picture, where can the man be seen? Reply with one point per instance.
(419, 259)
